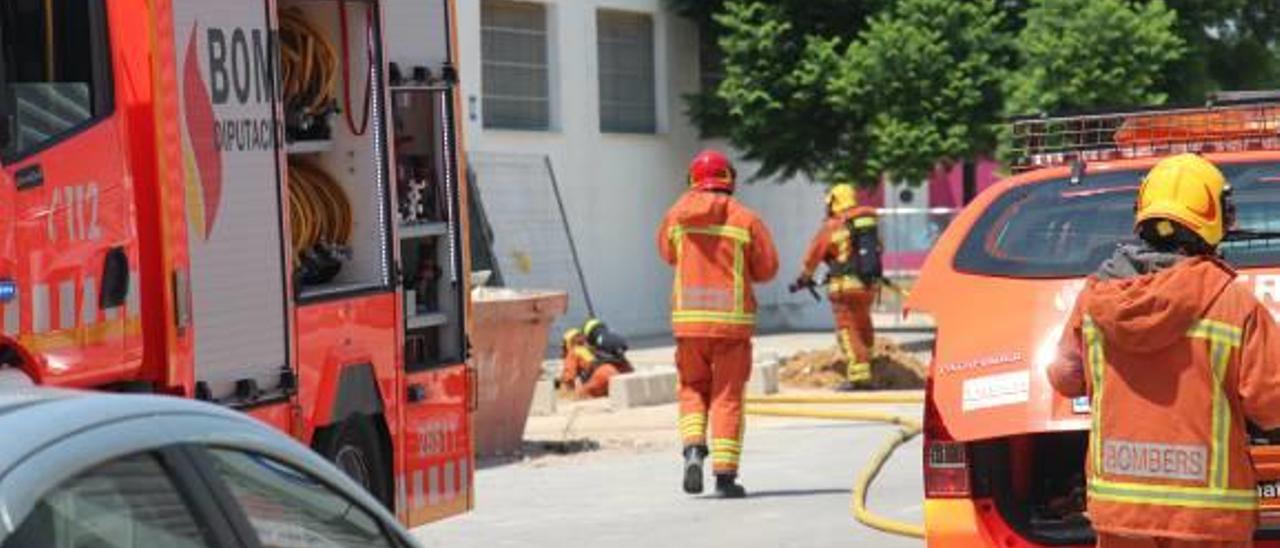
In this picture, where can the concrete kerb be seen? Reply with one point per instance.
(659, 385)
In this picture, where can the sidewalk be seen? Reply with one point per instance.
(659, 352)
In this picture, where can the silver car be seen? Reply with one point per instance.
(88, 470)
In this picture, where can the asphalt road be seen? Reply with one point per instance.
(799, 475)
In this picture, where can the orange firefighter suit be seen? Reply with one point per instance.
(719, 248)
(586, 371)
(851, 300)
(1175, 362)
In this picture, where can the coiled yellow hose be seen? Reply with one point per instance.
(909, 429)
(309, 64)
(319, 211)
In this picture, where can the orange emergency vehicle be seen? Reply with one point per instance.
(1003, 455)
(249, 202)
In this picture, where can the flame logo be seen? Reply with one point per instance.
(202, 161)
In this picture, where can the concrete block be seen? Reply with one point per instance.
(544, 398)
(764, 379)
(654, 386)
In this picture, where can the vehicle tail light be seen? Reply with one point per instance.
(946, 461)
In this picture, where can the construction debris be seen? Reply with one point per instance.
(892, 368)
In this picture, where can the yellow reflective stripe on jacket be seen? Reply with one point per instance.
(840, 284)
(724, 231)
(864, 222)
(584, 353)
(1168, 495)
(740, 237)
(1095, 362)
(1222, 339)
(844, 245)
(705, 316)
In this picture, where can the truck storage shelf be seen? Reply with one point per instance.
(420, 88)
(423, 230)
(309, 147)
(334, 288)
(423, 321)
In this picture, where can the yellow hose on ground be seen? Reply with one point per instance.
(839, 399)
(909, 429)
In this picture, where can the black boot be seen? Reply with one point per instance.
(727, 487)
(693, 457)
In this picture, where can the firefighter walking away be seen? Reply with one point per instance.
(1176, 358)
(849, 244)
(718, 248)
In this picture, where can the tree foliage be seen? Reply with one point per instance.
(842, 90)
(1087, 54)
(928, 74)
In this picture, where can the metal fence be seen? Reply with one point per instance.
(532, 237)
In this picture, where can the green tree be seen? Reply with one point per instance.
(774, 90)
(1088, 54)
(837, 89)
(929, 75)
(919, 85)
(1230, 45)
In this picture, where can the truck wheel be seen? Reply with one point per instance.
(354, 446)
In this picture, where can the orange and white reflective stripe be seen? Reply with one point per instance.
(68, 318)
(1222, 338)
(89, 308)
(436, 485)
(66, 305)
(13, 316)
(40, 308)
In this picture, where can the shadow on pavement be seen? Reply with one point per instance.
(789, 493)
(533, 450)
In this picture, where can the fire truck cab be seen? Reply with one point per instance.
(247, 202)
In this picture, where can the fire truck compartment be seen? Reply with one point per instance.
(354, 153)
(235, 235)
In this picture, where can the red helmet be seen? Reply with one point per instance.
(712, 170)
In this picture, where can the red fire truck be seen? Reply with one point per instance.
(249, 202)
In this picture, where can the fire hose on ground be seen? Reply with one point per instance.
(909, 428)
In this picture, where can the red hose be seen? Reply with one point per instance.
(363, 127)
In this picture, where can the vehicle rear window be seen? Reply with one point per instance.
(1054, 229)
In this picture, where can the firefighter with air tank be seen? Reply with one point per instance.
(848, 242)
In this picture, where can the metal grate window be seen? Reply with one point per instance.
(627, 88)
(514, 50)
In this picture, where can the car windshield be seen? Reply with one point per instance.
(1055, 229)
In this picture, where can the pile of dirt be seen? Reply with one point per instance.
(892, 368)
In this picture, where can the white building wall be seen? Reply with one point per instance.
(617, 187)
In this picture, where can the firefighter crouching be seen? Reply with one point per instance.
(849, 243)
(592, 356)
(718, 248)
(1176, 358)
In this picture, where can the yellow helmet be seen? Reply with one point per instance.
(841, 198)
(571, 334)
(1187, 190)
